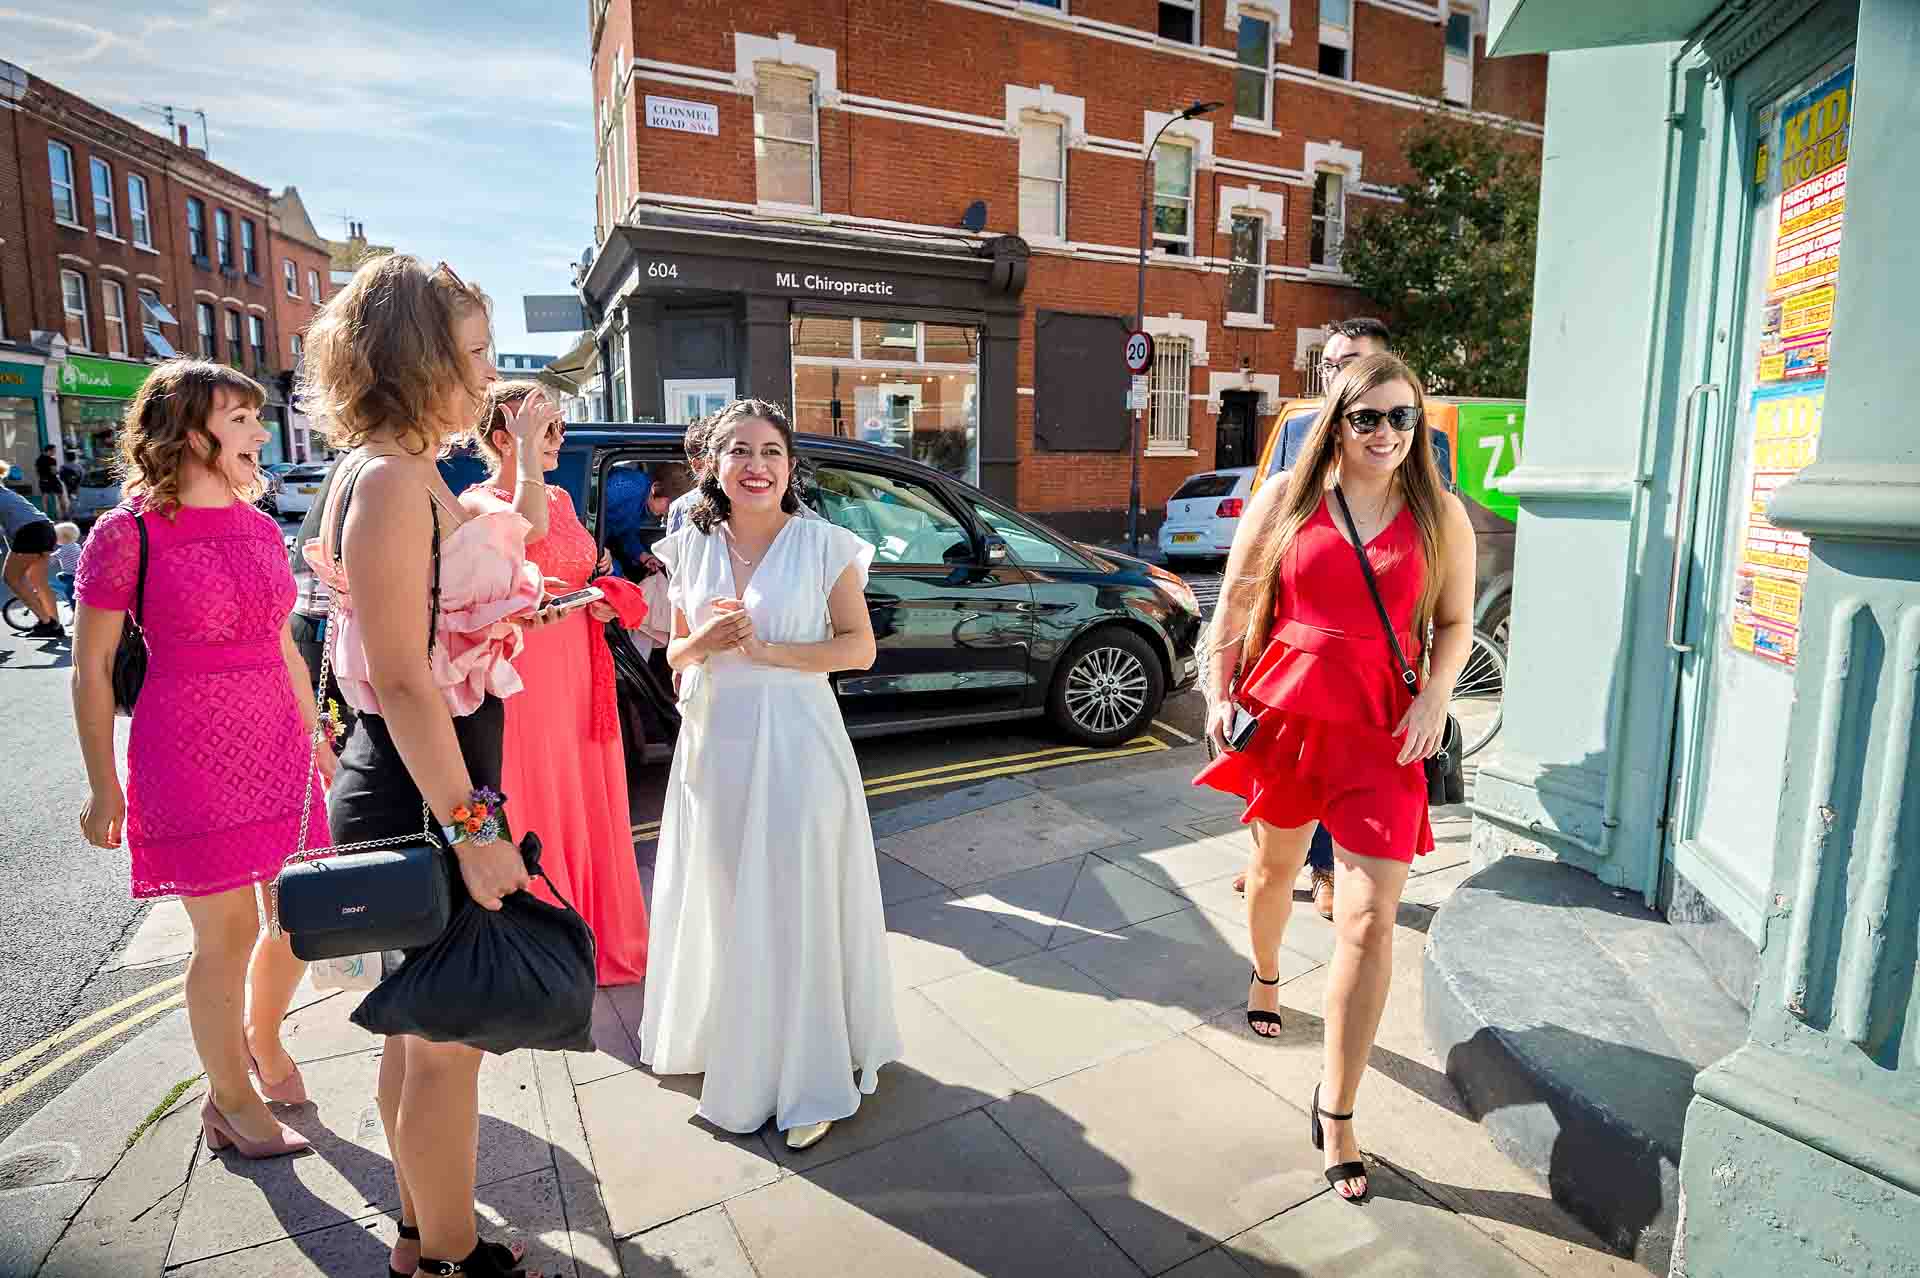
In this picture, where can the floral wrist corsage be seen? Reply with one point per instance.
(478, 819)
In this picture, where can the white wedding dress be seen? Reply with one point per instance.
(767, 969)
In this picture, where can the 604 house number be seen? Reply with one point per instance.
(663, 271)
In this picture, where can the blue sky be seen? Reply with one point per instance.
(456, 130)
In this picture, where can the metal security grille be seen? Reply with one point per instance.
(1316, 377)
(1172, 369)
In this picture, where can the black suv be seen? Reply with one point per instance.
(980, 613)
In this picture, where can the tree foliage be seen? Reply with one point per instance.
(1452, 262)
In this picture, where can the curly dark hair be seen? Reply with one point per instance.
(158, 432)
(714, 508)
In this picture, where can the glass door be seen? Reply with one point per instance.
(691, 398)
(1735, 619)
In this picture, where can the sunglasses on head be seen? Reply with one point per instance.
(1365, 421)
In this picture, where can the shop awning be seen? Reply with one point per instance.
(577, 367)
(1547, 26)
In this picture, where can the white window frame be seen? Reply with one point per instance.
(313, 286)
(73, 286)
(223, 242)
(290, 276)
(206, 329)
(1258, 315)
(1058, 230)
(113, 314)
(1339, 35)
(139, 211)
(236, 330)
(1193, 157)
(1450, 61)
(1266, 72)
(100, 187)
(1170, 394)
(1313, 381)
(257, 340)
(1333, 229)
(249, 249)
(206, 232)
(297, 347)
(1193, 6)
(812, 82)
(71, 186)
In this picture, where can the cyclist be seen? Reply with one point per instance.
(30, 544)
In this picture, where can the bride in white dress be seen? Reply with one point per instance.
(768, 967)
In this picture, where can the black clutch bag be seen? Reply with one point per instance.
(1446, 777)
(381, 894)
(130, 658)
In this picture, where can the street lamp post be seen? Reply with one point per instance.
(1140, 313)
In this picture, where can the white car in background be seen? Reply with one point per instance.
(298, 487)
(1203, 514)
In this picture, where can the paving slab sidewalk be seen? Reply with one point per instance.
(1079, 1095)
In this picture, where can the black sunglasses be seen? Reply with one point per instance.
(1367, 420)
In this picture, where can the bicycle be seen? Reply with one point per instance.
(20, 617)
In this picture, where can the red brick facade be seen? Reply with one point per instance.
(297, 296)
(922, 116)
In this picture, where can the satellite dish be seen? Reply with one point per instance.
(975, 218)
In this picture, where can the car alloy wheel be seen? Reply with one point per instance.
(1107, 690)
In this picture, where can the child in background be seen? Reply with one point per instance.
(65, 560)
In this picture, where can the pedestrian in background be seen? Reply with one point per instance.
(424, 618)
(218, 752)
(769, 965)
(1341, 740)
(563, 760)
(31, 542)
(54, 493)
(695, 446)
(64, 564)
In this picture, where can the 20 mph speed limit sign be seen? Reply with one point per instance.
(1139, 351)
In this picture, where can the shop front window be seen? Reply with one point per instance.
(907, 386)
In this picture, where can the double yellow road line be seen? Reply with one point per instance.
(135, 1014)
(1005, 765)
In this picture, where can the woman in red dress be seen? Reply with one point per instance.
(1341, 739)
(564, 769)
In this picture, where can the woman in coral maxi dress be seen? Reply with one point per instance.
(565, 771)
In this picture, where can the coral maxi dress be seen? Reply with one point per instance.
(564, 773)
(1329, 696)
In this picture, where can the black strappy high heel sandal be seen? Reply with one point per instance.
(408, 1233)
(488, 1260)
(1256, 1019)
(1339, 1171)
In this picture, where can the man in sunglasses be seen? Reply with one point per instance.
(1350, 339)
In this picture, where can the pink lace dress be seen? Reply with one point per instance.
(217, 755)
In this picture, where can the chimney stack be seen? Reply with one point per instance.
(183, 135)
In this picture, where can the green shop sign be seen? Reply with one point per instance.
(1487, 446)
(21, 381)
(102, 378)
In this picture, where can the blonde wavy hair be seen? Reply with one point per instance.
(382, 355)
(1318, 470)
(490, 419)
(162, 424)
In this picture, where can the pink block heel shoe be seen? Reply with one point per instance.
(221, 1134)
(291, 1090)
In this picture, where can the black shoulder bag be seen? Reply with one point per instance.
(130, 658)
(1446, 783)
(382, 894)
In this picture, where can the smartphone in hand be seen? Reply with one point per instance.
(561, 605)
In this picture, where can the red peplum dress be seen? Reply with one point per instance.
(1329, 696)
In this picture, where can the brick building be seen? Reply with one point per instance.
(784, 195)
(303, 280)
(128, 247)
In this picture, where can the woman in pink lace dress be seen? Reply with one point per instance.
(217, 757)
(565, 770)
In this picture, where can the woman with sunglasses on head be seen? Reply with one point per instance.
(1341, 739)
(426, 606)
(564, 768)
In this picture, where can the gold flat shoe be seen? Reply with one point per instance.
(808, 1136)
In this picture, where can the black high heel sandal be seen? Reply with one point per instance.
(489, 1259)
(1339, 1171)
(1256, 1019)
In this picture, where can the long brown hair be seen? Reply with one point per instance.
(157, 433)
(714, 507)
(1318, 469)
(382, 355)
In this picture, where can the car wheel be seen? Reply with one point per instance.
(1108, 689)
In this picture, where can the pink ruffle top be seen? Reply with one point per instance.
(485, 581)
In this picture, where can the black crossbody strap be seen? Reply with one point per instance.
(140, 589)
(1373, 588)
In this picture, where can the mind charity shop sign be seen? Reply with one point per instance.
(1801, 170)
(680, 116)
